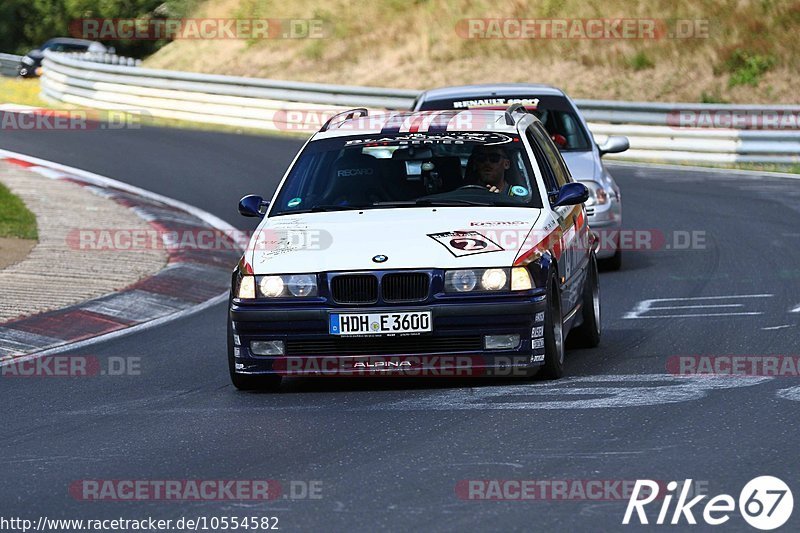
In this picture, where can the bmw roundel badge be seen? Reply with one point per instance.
(380, 259)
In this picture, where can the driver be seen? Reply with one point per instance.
(489, 165)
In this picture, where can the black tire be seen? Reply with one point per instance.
(553, 367)
(248, 382)
(587, 335)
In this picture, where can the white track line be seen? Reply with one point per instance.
(689, 168)
(104, 181)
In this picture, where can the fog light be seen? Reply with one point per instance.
(272, 347)
(501, 342)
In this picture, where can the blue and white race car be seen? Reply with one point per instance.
(431, 243)
(569, 131)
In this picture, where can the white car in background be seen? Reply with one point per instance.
(568, 130)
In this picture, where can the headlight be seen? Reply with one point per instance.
(271, 286)
(494, 279)
(277, 286)
(460, 280)
(247, 288)
(487, 280)
(597, 194)
(27, 60)
(521, 279)
(302, 285)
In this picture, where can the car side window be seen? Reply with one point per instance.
(553, 156)
(544, 163)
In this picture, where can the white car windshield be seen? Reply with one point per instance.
(410, 170)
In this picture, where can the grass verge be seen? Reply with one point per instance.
(20, 91)
(15, 219)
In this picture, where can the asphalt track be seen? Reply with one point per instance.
(390, 453)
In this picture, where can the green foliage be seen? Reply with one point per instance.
(314, 50)
(640, 61)
(747, 68)
(26, 24)
(712, 97)
(15, 219)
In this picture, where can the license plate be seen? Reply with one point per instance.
(380, 323)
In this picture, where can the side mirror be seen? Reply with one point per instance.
(572, 194)
(253, 205)
(614, 145)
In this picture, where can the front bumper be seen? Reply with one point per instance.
(454, 348)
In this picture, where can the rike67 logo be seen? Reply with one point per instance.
(765, 503)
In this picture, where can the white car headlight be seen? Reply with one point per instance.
(597, 194)
(521, 279)
(247, 288)
(302, 285)
(487, 280)
(27, 60)
(494, 279)
(277, 286)
(460, 280)
(271, 286)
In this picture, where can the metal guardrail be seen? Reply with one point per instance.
(9, 64)
(655, 130)
(108, 59)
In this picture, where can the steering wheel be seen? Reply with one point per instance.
(481, 187)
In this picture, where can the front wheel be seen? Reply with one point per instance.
(553, 367)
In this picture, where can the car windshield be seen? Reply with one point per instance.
(409, 170)
(556, 113)
(58, 46)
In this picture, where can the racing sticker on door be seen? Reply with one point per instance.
(462, 243)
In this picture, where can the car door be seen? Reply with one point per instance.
(571, 219)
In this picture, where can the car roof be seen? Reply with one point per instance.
(491, 89)
(392, 123)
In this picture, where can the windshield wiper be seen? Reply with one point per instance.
(325, 208)
(430, 201)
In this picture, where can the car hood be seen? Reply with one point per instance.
(407, 237)
(583, 165)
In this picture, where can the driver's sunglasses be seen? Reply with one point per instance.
(491, 157)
